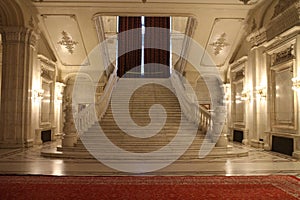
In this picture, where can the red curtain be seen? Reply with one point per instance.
(157, 47)
(129, 62)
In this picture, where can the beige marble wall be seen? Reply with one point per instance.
(18, 47)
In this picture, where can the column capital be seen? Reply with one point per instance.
(16, 34)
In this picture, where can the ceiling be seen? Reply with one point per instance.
(69, 26)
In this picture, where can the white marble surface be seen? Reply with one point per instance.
(258, 162)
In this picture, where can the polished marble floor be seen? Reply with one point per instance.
(259, 162)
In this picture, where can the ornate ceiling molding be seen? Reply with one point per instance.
(67, 42)
(219, 44)
(222, 40)
(65, 35)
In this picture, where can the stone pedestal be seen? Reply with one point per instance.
(220, 121)
(223, 140)
(70, 132)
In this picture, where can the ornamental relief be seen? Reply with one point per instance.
(283, 56)
(286, 15)
(67, 42)
(282, 5)
(219, 44)
(46, 74)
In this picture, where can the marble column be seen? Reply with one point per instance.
(59, 89)
(15, 110)
(220, 121)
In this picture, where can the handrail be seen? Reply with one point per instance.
(103, 103)
(189, 104)
(87, 117)
(205, 119)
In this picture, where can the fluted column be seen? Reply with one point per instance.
(15, 111)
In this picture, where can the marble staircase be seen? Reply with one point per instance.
(139, 105)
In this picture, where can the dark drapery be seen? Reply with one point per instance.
(157, 47)
(130, 61)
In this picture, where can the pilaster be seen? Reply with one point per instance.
(15, 119)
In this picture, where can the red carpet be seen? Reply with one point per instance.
(170, 187)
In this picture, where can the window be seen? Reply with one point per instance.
(151, 56)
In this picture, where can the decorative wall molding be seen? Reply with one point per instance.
(237, 69)
(282, 5)
(283, 56)
(46, 74)
(288, 17)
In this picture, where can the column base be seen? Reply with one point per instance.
(296, 154)
(245, 142)
(69, 140)
(222, 142)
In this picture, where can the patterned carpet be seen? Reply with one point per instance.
(150, 187)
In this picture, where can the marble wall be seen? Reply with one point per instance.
(271, 79)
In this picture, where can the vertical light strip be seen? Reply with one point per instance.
(117, 43)
(143, 46)
(171, 45)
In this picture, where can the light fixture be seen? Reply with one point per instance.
(261, 92)
(38, 94)
(245, 95)
(227, 91)
(296, 84)
(59, 87)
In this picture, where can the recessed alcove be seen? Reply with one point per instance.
(283, 145)
(238, 136)
(46, 135)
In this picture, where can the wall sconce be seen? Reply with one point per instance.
(261, 92)
(58, 97)
(59, 92)
(227, 91)
(245, 96)
(38, 94)
(296, 84)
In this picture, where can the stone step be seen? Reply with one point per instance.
(115, 130)
(144, 115)
(109, 156)
(125, 121)
(144, 109)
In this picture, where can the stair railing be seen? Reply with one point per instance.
(85, 118)
(102, 104)
(189, 103)
(205, 119)
(94, 112)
